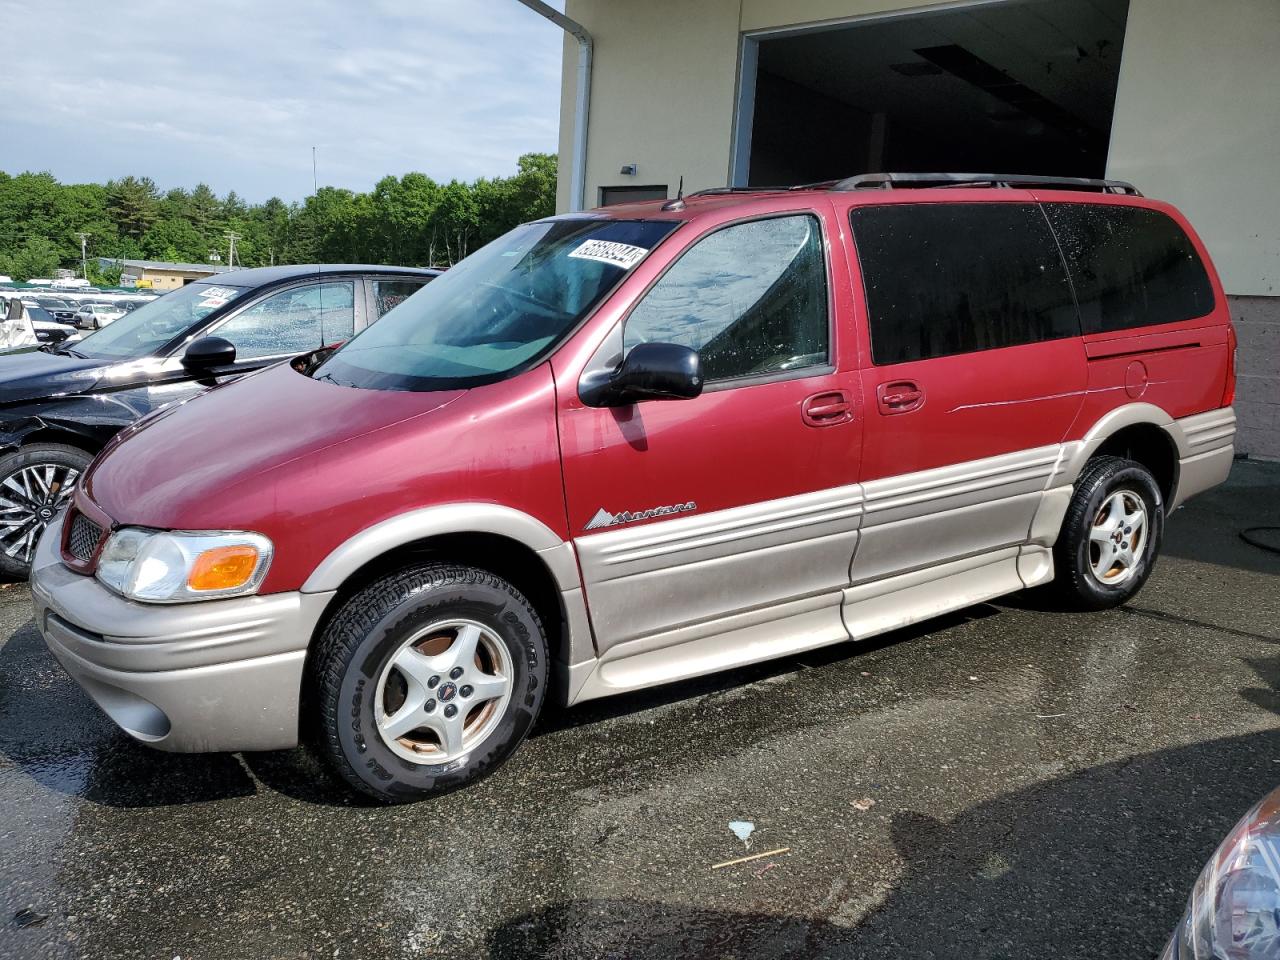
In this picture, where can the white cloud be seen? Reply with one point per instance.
(238, 95)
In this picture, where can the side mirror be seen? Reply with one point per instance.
(209, 352)
(651, 371)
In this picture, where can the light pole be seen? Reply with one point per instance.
(84, 259)
(232, 237)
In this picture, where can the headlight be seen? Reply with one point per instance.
(1234, 908)
(158, 566)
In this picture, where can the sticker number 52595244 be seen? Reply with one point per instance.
(622, 255)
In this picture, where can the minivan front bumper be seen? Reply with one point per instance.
(192, 677)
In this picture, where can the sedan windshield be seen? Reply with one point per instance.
(142, 332)
(500, 310)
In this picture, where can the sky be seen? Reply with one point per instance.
(237, 96)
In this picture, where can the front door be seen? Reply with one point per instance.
(693, 516)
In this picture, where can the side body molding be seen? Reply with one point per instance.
(493, 518)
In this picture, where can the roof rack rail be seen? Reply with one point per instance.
(890, 181)
(720, 191)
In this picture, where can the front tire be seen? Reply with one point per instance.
(36, 481)
(427, 680)
(1110, 536)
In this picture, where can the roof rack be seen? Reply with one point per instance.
(720, 191)
(891, 181)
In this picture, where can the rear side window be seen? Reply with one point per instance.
(388, 293)
(1132, 267)
(949, 278)
(750, 298)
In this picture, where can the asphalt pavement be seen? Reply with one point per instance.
(1008, 782)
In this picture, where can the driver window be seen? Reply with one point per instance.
(293, 321)
(750, 298)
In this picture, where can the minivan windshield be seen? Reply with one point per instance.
(501, 309)
(141, 332)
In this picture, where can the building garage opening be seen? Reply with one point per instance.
(1024, 86)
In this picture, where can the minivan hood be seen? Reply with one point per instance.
(187, 465)
(34, 374)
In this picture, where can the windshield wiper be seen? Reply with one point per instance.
(63, 349)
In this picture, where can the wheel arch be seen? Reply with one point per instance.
(23, 431)
(515, 546)
(1142, 432)
(68, 438)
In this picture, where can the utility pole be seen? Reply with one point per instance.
(84, 259)
(232, 237)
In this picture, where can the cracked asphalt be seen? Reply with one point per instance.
(1044, 785)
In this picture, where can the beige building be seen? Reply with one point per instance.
(159, 275)
(1176, 96)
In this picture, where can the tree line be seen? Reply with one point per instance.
(410, 220)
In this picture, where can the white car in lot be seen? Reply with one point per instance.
(94, 316)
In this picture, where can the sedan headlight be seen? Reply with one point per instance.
(1234, 909)
(159, 566)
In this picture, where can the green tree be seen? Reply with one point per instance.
(37, 257)
(204, 212)
(101, 276)
(174, 240)
(233, 207)
(133, 204)
(409, 220)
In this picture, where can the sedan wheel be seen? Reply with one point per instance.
(36, 482)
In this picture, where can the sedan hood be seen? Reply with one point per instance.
(33, 374)
(198, 464)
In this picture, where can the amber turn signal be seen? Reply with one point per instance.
(223, 568)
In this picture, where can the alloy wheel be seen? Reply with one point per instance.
(443, 692)
(30, 498)
(1117, 538)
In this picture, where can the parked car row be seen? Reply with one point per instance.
(46, 328)
(95, 316)
(608, 451)
(60, 406)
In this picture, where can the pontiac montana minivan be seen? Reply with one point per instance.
(621, 448)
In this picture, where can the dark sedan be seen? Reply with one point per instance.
(60, 405)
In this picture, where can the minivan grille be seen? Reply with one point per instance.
(84, 537)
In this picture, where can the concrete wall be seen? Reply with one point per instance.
(664, 90)
(1196, 123)
(1257, 321)
(769, 14)
(662, 94)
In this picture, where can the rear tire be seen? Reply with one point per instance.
(36, 481)
(427, 680)
(1111, 534)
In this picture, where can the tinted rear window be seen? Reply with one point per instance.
(1132, 267)
(948, 278)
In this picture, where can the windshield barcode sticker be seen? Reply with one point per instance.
(217, 297)
(622, 255)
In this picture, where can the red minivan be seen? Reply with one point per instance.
(621, 448)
